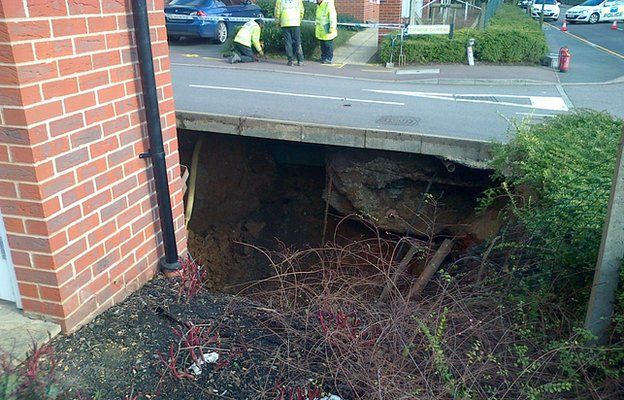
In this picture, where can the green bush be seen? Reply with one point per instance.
(556, 178)
(267, 7)
(503, 45)
(428, 49)
(511, 37)
(349, 19)
(565, 166)
(274, 41)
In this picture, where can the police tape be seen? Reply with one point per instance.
(176, 17)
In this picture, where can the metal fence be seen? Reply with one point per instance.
(490, 10)
(459, 13)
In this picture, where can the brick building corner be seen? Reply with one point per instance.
(78, 204)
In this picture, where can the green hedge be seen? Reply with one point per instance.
(511, 37)
(272, 35)
(567, 164)
(274, 41)
(556, 179)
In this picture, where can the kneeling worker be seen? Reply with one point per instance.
(247, 35)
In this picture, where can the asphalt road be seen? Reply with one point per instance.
(598, 97)
(597, 51)
(374, 97)
(600, 34)
(483, 112)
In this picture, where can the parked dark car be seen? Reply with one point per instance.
(184, 18)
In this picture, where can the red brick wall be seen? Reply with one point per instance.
(363, 10)
(390, 11)
(78, 203)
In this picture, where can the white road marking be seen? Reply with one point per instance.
(418, 71)
(311, 96)
(540, 102)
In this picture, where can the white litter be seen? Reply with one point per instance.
(331, 397)
(208, 358)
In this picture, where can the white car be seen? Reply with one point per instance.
(524, 3)
(550, 7)
(593, 11)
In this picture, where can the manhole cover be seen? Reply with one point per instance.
(398, 120)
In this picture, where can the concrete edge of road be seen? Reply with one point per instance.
(482, 82)
(472, 153)
(427, 81)
(565, 97)
(615, 81)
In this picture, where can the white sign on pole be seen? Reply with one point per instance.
(428, 29)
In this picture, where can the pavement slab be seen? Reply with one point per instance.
(18, 332)
(359, 49)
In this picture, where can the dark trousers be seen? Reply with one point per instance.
(292, 42)
(246, 53)
(327, 50)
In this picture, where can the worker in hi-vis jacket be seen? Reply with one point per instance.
(248, 35)
(288, 14)
(326, 28)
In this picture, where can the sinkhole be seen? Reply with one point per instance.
(252, 194)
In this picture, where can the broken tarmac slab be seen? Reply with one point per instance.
(472, 153)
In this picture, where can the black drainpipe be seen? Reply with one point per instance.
(169, 262)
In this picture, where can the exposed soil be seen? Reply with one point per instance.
(118, 353)
(248, 196)
(263, 193)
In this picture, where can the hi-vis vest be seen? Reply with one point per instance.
(326, 21)
(249, 34)
(289, 12)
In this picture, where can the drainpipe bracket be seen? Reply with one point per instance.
(145, 155)
(168, 267)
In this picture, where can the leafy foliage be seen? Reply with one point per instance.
(33, 380)
(511, 37)
(349, 19)
(272, 35)
(556, 177)
(564, 169)
(273, 40)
